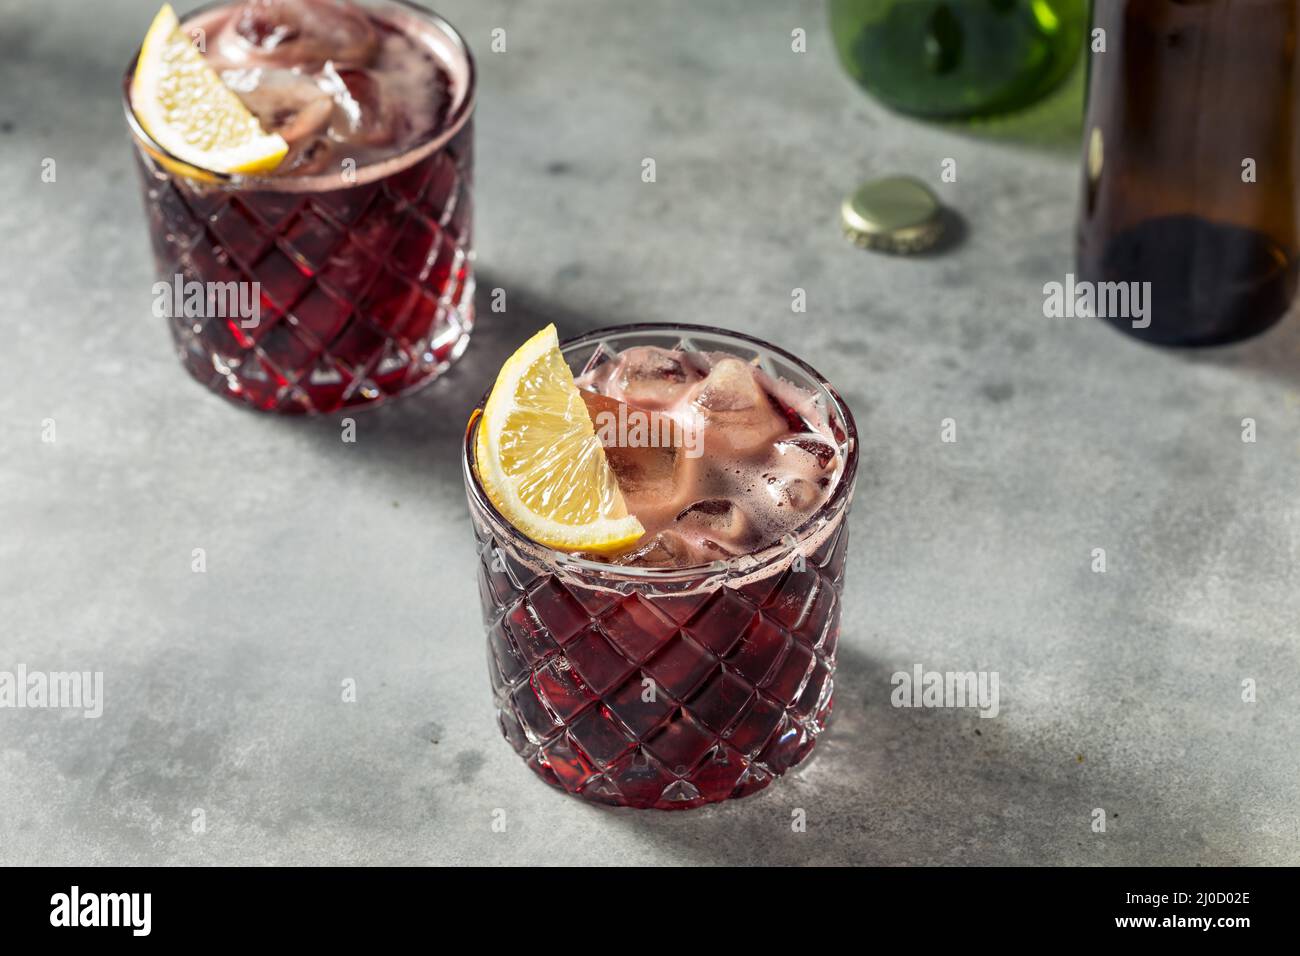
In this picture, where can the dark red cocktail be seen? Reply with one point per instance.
(698, 665)
(352, 261)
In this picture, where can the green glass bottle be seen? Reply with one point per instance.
(950, 59)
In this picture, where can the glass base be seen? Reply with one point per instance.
(663, 701)
(678, 793)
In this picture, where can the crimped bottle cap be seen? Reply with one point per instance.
(894, 214)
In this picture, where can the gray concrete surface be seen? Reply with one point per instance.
(328, 561)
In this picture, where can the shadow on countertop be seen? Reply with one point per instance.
(1274, 353)
(895, 786)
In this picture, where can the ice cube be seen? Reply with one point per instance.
(798, 494)
(653, 377)
(715, 513)
(266, 24)
(283, 101)
(640, 445)
(821, 451)
(666, 549)
(717, 524)
(730, 387)
(309, 158)
(364, 111)
(297, 33)
(737, 413)
(710, 550)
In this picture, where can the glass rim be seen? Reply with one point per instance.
(320, 182)
(738, 566)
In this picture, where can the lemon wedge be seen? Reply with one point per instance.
(539, 459)
(182, 103)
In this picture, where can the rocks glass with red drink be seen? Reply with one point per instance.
(696, 665)
(355, 252)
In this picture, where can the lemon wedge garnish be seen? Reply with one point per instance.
(182, 103)
(539, 458)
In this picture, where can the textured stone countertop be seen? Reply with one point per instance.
(326, 561)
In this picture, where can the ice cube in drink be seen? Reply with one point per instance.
(766, 461)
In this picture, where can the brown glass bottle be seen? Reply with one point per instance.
(1190, 163)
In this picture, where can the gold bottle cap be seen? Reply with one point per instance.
(894, 214)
